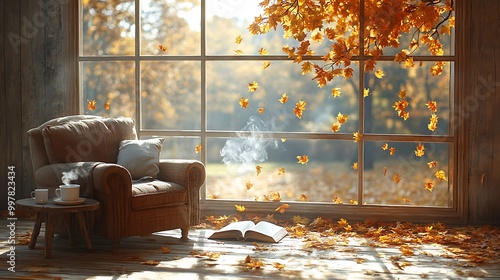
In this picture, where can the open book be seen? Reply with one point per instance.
(262, 231)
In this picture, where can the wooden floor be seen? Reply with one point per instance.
(164, 256)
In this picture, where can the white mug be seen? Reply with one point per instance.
(41, 196)
(69, 192)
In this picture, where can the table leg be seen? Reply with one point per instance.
(49, 234)
(67, 224)
(36, 231)
(83, 227)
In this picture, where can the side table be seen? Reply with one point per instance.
(48, 212)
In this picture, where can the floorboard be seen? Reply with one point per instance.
(201, 258)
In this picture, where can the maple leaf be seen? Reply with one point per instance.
(197, 149)
(341, 118)
(107, 105)
(337, 200)
(303, 197)
(420, 150)
(162, 48)
(385, 146)
(396, 178)
(239, 208)
(304, 159)
(244, 102)
(432, 126)
(366, 92)
(238, 39)
(238, 52)
(300, 106)
(306, 67)
(258, 169)
(263, 51)
(406, 200)
(91, 105)
(284, 98)
(357, 136)
(278, 265)
(165, 250)
(253, 86)
(353, 202)
(336, 127)
(379, 73)
(402, 94)
(432, 164)
(429, 186)
(441, 175)
(281, 171)
(355, 166)
(266, 64)
(392, 151)
(336, 92)
(261, 110)
(282, 208)
(432, 106)
(248, 185)
(342, 222)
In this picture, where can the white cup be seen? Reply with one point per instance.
(69, 192)
(41, 196)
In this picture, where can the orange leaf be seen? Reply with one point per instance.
(441, 175)
(341, 118)
(420, 150)
(429, 186)
(162, 48)
(396, 178)
(197, 149)
(336, 127)
(357, 136)
(335, 92)
(385, 146)
(432, 164)
(355, 166)
(281, 171)
(392, 151)
(432, 106)
(299, 108)
(261, 110)
(304, 159)
(91, 105)
(258, 168)
(150, 262)
(284, 98)
(244, 102)
(107, 106)
(249, 185)
(282, 208)
(253, 86)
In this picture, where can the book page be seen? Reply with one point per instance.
(234, 230)
(267, 232)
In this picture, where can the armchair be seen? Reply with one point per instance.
(89, 147)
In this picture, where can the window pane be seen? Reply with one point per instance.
(223, 94)
(174, 25)
(170, 97)
(111, 85)
(108, 28)
(401, 179)
(179, 148)
(231, 163)
(420, 87)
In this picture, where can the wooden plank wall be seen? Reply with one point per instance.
(483, 104)
(37, 83)
(35, 79)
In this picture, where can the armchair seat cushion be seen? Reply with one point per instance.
(156, 193)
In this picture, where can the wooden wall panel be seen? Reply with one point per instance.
(3, 97)
(482, 104)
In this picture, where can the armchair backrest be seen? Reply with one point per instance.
(79, 138)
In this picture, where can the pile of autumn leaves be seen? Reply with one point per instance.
(479, 245)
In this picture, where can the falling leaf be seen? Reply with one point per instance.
(419, 150)
(261, 110)
(355, 166)
(396, 178)
(406, 200)
(238, 39)
(341, 118)
(400, 106)
(432, 164)
(253, 86)
(402, 94)
(282, 208)
(385, 146)
(238, 52)
(263, 51)
(281, 171)
(278, 265)
(249, 185)
(429, 186)
(244, 102)
(337, 200)
(107, 105)
(336, 127)
(283, 140)
(165, 250)
(266, 64)
(432, 126)
(357, 136)
(432, 106)
(299, 108)
(392, 151)
(284, 98)
(379, 73)
(336, 92)
(366, 92)
(91, 105)
(258, 169)
(441, 175)
(304, 159)
(303, 197)
(197, 149)
(239, 208)
(162, 48)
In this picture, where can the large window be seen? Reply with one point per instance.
(175, 66)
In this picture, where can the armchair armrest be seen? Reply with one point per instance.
(190, 174)
(113, 189)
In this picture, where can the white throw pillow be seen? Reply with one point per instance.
(140, 157)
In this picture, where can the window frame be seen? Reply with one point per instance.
(457, 136)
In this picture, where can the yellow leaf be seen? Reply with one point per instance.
(249, 185)
(266, 64)
(392, 151)
(244, 102)
(300, 106)
(283, 98)
(278, 265)
(258, 169)
(441, 175)
(91, 105)
(420, 150)
(429, 186)
(282, 208)
(239, 208)
(385, 146)
(261, 110)
(263, 51)
(281, 171)
(366, 92)
(238, 39)
(306, 67)
(303, 197)
(337, 200)
(336, 127)
(379, 73)
(304, 159)
(406, 200)
(402, 94)
(432, 164)
(341, 118)
(335, 92)
(197, 149)
(238, 52)
(253, 86)
(355, 166)
(357, 136)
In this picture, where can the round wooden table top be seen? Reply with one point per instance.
(88, 205)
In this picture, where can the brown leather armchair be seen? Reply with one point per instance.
(89, 147)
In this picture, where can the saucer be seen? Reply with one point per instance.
(58, 201)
